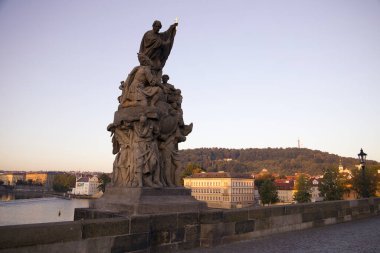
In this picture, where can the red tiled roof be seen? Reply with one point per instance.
(284, 184)
(220, 175)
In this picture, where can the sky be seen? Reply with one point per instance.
(253, 74)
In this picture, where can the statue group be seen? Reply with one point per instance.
(148, 124)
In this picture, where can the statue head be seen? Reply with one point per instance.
(165, 78)
(156, 26)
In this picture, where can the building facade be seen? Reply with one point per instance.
(222, 189)
(12, 178)
(44, 178)
(86, 186)
(285, 190)
(315, 193)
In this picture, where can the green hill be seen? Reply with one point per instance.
(285, 161)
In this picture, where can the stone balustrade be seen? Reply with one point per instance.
(106, 232)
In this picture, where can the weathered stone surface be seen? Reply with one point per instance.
(235, 215)
(131, 201)
(89, 213)
(160, 232)
(105, 227)
(45, 233)
(71, 246)
(228, 228)
(140, 251)
(139, 224)
(159, 237)
(329, 221)
(189, 245)
(277, 211)
(133, 242)
(188, 219)
(177, 235)
(329, 213)
(165, 248)
(306, 217)
(285, 220)
(148, 124)
(211, 216)
(192, 233)
(259, 213)
(211, 234)
(131, 114)
(242, 227)
(262, 224)
(167, 222)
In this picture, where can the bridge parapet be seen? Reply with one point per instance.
(106, 232)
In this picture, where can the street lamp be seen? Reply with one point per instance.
(362, 158)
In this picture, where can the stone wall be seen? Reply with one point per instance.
(105, 232)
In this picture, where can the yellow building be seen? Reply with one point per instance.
(12, 178)
(222, 189)
(44, 178)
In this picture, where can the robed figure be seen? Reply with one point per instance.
(157, 46)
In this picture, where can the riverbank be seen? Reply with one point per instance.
(8, 193)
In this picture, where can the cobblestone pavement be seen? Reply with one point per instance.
(357, 236)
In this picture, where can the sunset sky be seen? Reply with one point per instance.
(253, 74)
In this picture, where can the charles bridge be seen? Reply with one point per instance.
(95, 231)
(143, 210)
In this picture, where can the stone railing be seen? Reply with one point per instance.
(104, 232)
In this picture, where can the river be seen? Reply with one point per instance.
(38, 209)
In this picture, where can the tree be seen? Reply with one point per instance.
(263, 176)
(63, 182)
(331, 187)
(303, 189)
(104, 179)
(191, 169)
(268, 192)
(365, 184)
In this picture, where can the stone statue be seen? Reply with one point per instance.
(148, 124)
(140, 85)
(157, 46)
(124, 167)
(169, 154)
(146, 129)
(146, 153)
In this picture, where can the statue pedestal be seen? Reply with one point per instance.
(132, 201)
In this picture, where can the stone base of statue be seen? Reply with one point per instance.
(143, 200)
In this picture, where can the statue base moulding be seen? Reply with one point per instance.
(143, 200)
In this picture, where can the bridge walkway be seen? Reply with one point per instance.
(360, 236)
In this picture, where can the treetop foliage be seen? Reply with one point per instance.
(268, 192)
(303, 189)
(63, 182)
(332, 185)
(284, 161)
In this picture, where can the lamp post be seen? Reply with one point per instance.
(362, 158)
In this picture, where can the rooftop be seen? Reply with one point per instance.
(220, 174)
(83, 179)
(284, 184)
